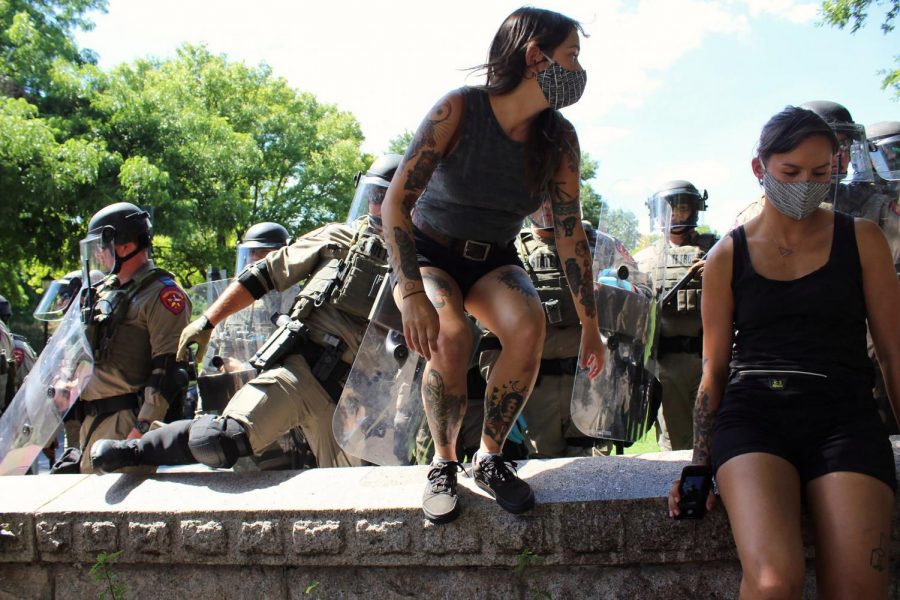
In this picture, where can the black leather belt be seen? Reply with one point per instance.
(469, 249)
(680, 344)
(113, 404)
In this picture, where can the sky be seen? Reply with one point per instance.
(677, 89)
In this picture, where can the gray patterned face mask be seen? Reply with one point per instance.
(796, 200)
(561, 86)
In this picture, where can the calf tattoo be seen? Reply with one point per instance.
(445, 410)
(502, 406)
(879, 557)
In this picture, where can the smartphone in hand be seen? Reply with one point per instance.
(694, 487)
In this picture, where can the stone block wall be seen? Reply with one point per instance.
(600, 530)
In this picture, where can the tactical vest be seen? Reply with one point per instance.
(542, 264)
(110, 308)
(679, 260)
(349, 281)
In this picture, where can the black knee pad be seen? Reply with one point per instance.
(217, 441)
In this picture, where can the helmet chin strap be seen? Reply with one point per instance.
(120, 260)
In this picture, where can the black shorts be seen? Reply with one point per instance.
(464, 271)
(818, 425)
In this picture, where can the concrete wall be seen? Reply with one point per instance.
(600, 530)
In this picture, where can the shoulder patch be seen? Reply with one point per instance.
(173, 299)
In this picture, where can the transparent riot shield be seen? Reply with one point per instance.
(226, 367)
(55, 382)
(380, 409)
(615, 405)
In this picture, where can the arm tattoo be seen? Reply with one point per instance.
(518, 282)
(578, 274)
(569, 226)
(704, 418)
(409, 265)
(421, 172)
(425, 136)
(502, 408)
(439, 289)
(445, 410)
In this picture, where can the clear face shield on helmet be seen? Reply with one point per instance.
(98, 252)
(885, 155)
(369, 191)
(60, 295)
(851, 163)
(661, 214)
(249, 253)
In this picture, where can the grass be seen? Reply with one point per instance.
(645, 444)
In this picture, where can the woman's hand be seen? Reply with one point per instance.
(675, 498)
(593, 352)
(420, 323)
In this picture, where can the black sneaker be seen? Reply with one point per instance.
(440, 502)
(111, 455)
(497, 476)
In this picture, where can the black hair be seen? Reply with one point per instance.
(787, 129)
(505, 69)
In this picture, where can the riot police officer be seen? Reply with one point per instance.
(885, 152)
(680, 342)
(133, 318)
(23, 353)
(303, 364)
(258, 241)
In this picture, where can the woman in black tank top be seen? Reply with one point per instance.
(480, 162)
(785, 409)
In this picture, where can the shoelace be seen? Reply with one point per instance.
(496, 467)
(440, 474)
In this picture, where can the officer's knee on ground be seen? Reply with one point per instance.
(217, 441)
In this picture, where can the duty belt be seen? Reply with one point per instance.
(680, 344)
(333, 381)
(469, 249)
(113, 404)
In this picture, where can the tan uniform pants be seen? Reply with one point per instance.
(679, 374)
(548, 412)
(289, 396)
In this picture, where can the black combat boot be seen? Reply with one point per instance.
(111, 455)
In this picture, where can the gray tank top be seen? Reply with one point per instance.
(478, 192)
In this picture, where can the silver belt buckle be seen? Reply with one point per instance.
(474, 250)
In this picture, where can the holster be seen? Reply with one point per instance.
(290, 334)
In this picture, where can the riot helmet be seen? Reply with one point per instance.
(5, 309)
(685, 202)
(371, 187)
(258, 241)
(885, 149)
(59, 296)
(852, 163)
(116, 224)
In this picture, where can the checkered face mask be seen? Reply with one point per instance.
(561, 86)
(797, 200)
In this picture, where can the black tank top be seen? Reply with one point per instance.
(478, 191)
(816, 323)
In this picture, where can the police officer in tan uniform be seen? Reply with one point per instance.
(303, 364)
(680, 345)
(24, 354)
(133, 324)
(7, 367)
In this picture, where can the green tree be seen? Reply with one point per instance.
(840, 13)
(400, 143)
(214, 146)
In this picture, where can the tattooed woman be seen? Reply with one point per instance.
(482, 160)
(786, 298)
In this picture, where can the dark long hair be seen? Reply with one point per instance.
(505, 68)
(787, 129)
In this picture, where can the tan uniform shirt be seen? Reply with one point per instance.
(7, 364)
(292, 264)
(151, 328)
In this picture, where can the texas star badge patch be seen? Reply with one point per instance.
(173, 299)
